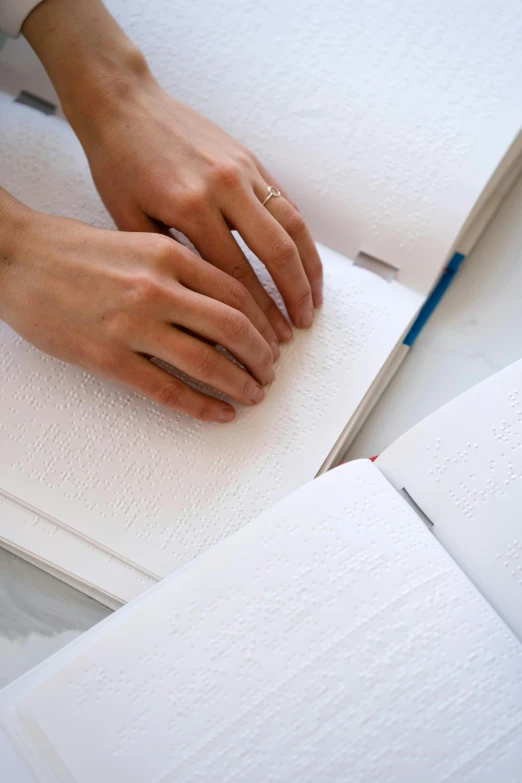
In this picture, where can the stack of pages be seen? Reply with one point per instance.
(395, 127)
(366, 628)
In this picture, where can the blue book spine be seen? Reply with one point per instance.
(434, 298)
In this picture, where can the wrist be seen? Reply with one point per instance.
(103, 86)
(91, 62)
(15, 219)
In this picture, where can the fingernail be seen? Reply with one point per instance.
(257, 395)
(225, 414)
(318, 298)
(284, 331)
(275, 350)
(306, 318)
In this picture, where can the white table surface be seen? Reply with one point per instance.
(475, 331)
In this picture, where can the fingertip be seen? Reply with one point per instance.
(283, 330)
(225, 414)
(305, 318)
(257, 395)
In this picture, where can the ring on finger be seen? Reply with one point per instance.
(272, 193)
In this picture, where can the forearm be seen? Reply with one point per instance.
(157, 163)
(86, 54)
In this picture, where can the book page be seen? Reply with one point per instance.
(330, 639)
(13, 768)
(150, 485)
(71, 558)
(383, 121)
(463, 466)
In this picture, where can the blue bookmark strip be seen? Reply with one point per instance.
(434, 298)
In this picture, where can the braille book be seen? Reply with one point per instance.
(395, 126)
(368, 627)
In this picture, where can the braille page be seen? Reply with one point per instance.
(383, 120)
(331, 639)
(463, 466)
(66, 555)
(154, 487)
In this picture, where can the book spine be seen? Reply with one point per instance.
(434, 298)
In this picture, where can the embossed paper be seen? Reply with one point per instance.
(463, 466)
(333, 639)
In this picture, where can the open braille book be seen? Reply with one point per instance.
(396, 127)
(368, 627)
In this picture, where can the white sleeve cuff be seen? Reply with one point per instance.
(13, 14)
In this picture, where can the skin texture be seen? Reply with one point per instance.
(194, 177)
(107, 301)
(111, 301)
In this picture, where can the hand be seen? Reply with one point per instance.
(155, 160)
(109, 301)
(157, 163)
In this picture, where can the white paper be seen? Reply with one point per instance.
(383, 120)
(463, 466)
(331, 639)
(384, 124)
(65, 554)
(157, 488)
(152, 486)
(14, 770)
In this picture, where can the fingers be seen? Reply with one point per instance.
(230, 328)
(204, 363)
(144, 376)
(287, 213)
(289, 217)
(201, 277)
(270, 180)
(277, 250)
(216, 244)
(137, 220)
(208, 317)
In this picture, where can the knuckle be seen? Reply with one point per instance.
(204, 360)
(235, 326)
(204, 411)
(117, 327)
(245, 161)
(304, 297)
(269, 335)
(239, 270)
(237, 295)
(228, 175)
(193, 201)
(283, 252)
(144, 288)
(266, 359)
(158, 246)
(270, 310)
(169, 394)
(295, 224)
